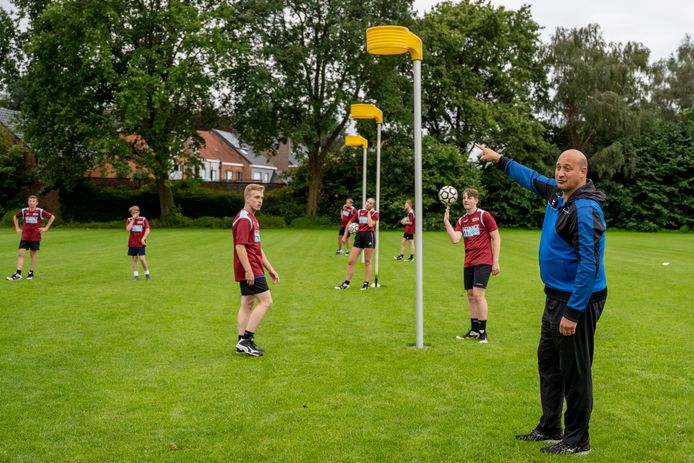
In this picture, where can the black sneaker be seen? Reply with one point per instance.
(137, 278)
(148, 277)
(30, 276)
(364, 286)
(344, 285)
(338, 252)
(410, 259)
(248, 347)
(469, 335)
(538, 436)
(398, 257)
(562, 448)
(483, 337)
(14, 277)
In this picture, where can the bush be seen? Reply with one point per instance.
(270, 221)
(6, 220)
(313, 223)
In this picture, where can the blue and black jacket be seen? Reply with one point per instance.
(572, 244)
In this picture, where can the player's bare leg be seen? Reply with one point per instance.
(20, 258)
(245, 310)
(477, 299)
(353, 256)
(368, 254)
(32, 260)
(258, 313)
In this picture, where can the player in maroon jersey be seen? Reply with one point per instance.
(32, 227)
(346, 213)
(249, 264)
(137, 241)
(365, 240)
(482, 249)
(408, 222)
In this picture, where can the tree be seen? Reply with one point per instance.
(674, 80)
(117, 81)
(600, 95)
(304, 63)
(482, 79)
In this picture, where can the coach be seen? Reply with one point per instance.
(572, 246)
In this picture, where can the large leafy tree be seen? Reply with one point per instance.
(674, 80)
(482, 77)
(304, 63)
(600, 93)
(117, 81)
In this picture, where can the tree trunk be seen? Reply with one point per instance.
(166, 201)
(315, 182)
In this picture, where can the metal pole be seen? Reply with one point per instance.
(418, 201)
(378, 196)
(363, 194)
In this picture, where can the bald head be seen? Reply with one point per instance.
(571, 171)
(574, 156)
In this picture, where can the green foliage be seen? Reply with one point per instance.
(99, 70)
(303, 64)
(307, 222)
(13, 172)
(660, 194)
(600, 95)
(673, 83)
(270, 221)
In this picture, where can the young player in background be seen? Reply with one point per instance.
(346, 213)
(365, 240)
(408, 222)
(137, 241)
(31, 230)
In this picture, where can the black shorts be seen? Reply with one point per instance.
(477, 276)
(342, 231)
(259, 286)
(365, 240)
(136, 250)
(408, 236)
(31, 245)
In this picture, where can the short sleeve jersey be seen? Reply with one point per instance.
(410, 227)
(137, 231)
(363, 220)
(31, 222)
(347, 213)
(476, 228)
(246, 231)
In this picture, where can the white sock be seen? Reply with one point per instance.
(146, 272)
(137, 274)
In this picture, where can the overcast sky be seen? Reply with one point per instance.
(658, 24)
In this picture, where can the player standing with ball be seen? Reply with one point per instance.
(365, 240)
(482, 249)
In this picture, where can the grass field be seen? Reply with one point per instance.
(97, 368)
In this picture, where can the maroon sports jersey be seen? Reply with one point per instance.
(246, 231)
(347, 213)
(476, 228)
(409, 228)
(31, 222)
(137, 231)
(363, 220)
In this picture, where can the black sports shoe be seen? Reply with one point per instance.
(469, 335)
(562, 448)
(483, 337)
(538, 436)
(247, 346)
(344, 285)
(364, 286)
(14, 277)
(410, 259)
(30, 276)
(398, 257)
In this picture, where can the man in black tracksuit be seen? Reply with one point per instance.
(572, 247)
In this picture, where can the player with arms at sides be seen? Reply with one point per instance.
(480, 233)
(346, 213)
(249, 264)
(408, 235)
(137, 242)
(31, 230)
(365, 240)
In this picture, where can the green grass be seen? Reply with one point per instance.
(96, 368)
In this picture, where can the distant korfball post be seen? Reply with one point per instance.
(369, 111)
(397, 40)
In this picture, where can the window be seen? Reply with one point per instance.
(229, 175)
(213, 175)
(267, 178)
(256, 175)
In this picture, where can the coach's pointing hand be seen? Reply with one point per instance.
(488, 154)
